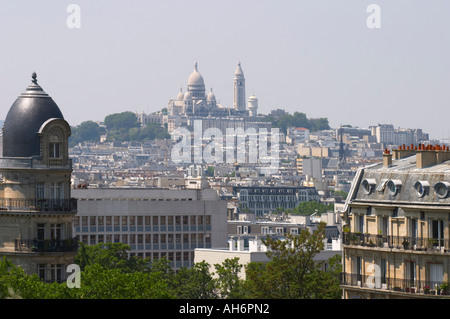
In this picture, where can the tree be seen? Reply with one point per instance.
(101, 283)
(309, 207)
(292, 272)
(109, 256)
(153, 131)
(228, 281)
(319, 124)
(298, 119)
(124, 120)
(87, 131)
(194, 283)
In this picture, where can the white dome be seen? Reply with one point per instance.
(187, 96)
(195, 78)
(211, 96)
(180, 96)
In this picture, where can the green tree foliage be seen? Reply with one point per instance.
(123, 127)
(298, 119)
(109, 256)
(194, 283)
(151, 131)
(124, 120)
(87, 131)
(108, 273)
(228, 282)
(292, 272)
(308, 208)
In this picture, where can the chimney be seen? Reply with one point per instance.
(403, 151)
(387, 158)
(428, 155)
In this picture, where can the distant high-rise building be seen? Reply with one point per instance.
(239, 89)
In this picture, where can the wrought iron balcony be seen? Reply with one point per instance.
(399, 242)
(46, 245)
(395, 284)
(37, 205)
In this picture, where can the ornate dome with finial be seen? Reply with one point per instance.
(211, 96)
(187, 97)
(180, 96)
(196, 79)
(30, 110)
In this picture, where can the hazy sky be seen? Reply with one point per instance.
(316, 57)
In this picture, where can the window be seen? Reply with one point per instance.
(395, 212)
(358, 269)
(42, 269)
(442, 189)
(422, 188)
(383, 271)
(56, 272)
(394, 186)
(56, 231)
(360, 224)
(410, 272)
(54, 150)
(437, 233)
(436, 274)
(384, 226)
(40, 190)
(368, 185)
(56, 192)
(40, 231)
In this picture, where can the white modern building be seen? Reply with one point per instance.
(155, 223)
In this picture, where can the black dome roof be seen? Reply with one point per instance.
(20, 130)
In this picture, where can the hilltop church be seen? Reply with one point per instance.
(195, 101)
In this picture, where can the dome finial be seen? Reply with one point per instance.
(195, 66)
(34, 77)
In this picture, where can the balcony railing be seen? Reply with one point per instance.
(396, 284)
(38, 205)
(46, 245)
(399, 242)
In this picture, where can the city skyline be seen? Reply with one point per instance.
(319, 58)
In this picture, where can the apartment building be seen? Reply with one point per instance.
(396, 239)
(262, 200)
(36, 209)
(154, 222)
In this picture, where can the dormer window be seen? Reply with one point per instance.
(394, 186)
(54, 135)
(442, 189)
(368, 185)
(422, 188)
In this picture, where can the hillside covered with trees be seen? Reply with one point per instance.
(119, 127)
(125, 127)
